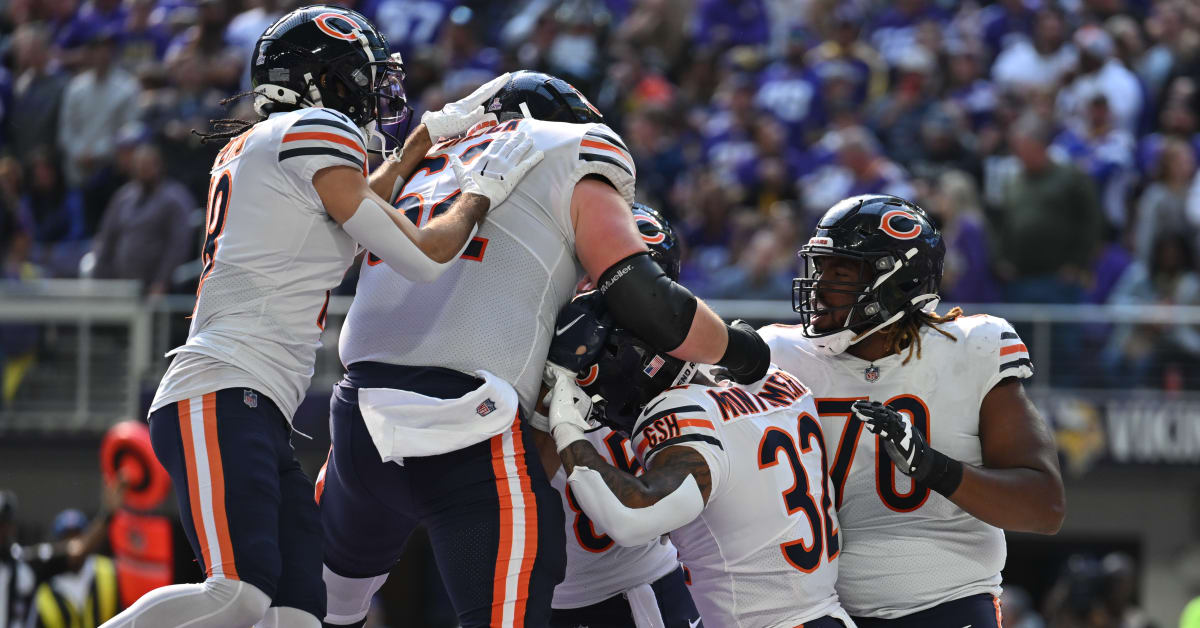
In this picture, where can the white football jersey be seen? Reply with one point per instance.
(495, 308)
(271, 255)
(598, 568)
(764, 552)
(906, 550)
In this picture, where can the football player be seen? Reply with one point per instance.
(288, 202)
(427, 425)
(608, 585)
(735, 474)
(934, 449)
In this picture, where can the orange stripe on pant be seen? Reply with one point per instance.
(531, 530)
(999, 615)
(189, 457)
(499, 584)
(223, 561)
(217, 472)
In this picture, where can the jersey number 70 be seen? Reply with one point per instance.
(885, 471)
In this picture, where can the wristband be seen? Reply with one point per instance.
(747, 355)
(939, 472)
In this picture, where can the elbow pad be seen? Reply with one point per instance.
(371, 227)
(631, 527)
(645, 301)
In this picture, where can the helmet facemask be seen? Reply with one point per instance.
(391, 110)
(879, 297)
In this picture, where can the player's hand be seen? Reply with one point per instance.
(904, 444)
(907, 448)
(569, 408)
(458, 117)
(494, 173)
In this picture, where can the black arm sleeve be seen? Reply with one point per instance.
(645, 301)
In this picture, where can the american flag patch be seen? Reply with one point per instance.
(652, 368)
(485, 408)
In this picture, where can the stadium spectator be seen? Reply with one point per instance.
(171, 109)
(722, 24)
(1051, 224)
(97, 103)
(896, 118)
(144, 41)
(1162, 207)
(1006, 22)
(757, 273)
(16, 223)
(969, 89)
(219, 62)
(1101, 72)
(84, 595)
(1039, 63)
(1143, 354)
(468, 61)
(790, 91)
(1103, 151)
(967, 275)
(860, 168)
(18, 578)
(147, 229)
(93, 19)
(894, 32)
(37, 94)
(57, 211)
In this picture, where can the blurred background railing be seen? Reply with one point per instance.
(79, 355)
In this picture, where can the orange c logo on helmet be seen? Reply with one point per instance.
(590, 377)
(657, 238)
(323, 23)
(885, 223)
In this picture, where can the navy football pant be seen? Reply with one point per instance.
(674, 605)
(494, 521)
(977, 611)
(245, 503)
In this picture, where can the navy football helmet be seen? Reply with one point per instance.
(901, 253)
(659, 237)
(328, 56)
(541, 97)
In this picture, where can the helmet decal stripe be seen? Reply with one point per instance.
(885, 224)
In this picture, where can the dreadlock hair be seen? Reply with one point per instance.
(906, 332)
(225, 129)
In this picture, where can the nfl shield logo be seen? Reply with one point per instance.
(871, 373)
(485, 408)
(652, 368)
(250, 398)
(495, 106)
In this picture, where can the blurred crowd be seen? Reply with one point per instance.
(1055, 141)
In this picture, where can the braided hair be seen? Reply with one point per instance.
(225, 129)
(906, 332)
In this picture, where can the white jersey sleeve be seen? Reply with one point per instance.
(319, 139)
(1006, 351)
(597, 567)
(677, 418)
(602, 153)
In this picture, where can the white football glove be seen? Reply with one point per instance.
(495, 172)
(569, 408)
(457, 117)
